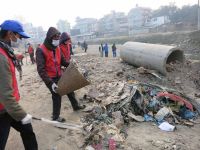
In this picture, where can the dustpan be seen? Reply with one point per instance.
(71, 80)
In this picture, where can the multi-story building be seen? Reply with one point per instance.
(157, 21)
(86, 25)
(115, 23)
(137, 17)
(122, 24)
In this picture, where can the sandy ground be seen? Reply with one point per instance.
(36, 100)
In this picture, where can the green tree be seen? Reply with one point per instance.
(186, 14)
(63, 26)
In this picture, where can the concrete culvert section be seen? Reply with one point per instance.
(175, 55)
(151, 56)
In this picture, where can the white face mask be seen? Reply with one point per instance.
(14, 43)
(55, 42)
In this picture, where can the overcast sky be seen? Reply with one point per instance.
(47, 12)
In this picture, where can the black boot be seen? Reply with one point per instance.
(79, 107)
(59, 119)
(74, 102)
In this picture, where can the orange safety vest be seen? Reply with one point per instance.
(15, 92)
(53, 63)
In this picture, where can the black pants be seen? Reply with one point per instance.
(56, 98)
(32, 58)
(106, 54)
(21, 62)
(26, 132)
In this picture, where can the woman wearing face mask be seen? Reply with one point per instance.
(49, 61)
(65, 46)
(11, 113)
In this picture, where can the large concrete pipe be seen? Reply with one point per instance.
(152, 56)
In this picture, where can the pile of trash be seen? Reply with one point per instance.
(81, 70)
(106, 122)
(174, 66)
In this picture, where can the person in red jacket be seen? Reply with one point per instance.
(11, 113)
(31, 53)
(49, 61)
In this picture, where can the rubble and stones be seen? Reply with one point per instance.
(130, 100)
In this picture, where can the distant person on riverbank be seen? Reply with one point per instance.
(105, 48)
(85, 46)
(114, 50)
(101, 50)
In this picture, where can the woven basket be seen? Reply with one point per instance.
(71, 80)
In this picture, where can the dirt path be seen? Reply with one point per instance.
(36, 99)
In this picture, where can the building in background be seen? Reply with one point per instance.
(115, 23)
(157, 21)
(37, 34)
(86, 25)
(74, 32)
(137, 17)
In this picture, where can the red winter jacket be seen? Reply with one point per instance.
(30, 50)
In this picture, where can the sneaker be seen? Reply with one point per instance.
(59, 119)
(79, 107)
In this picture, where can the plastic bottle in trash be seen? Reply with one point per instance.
(112, 144)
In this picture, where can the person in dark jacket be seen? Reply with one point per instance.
(105, 48)
(11, 113)
(114, 50)
(102, 50)
(85, 46)
(49, 61)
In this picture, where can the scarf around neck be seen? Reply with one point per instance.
(10, 51)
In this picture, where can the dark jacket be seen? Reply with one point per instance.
(105, 48)
(64, 37)
(40, 59)
(114, 48)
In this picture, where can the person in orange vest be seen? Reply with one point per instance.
(31, 53)
(49, 61)
(11, 113)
